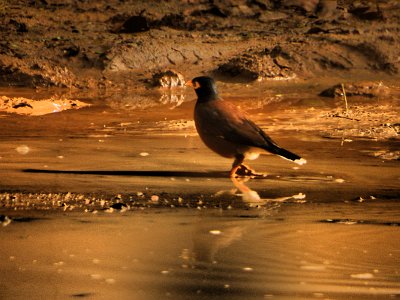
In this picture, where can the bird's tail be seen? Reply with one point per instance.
(289, 155)
(272, 147)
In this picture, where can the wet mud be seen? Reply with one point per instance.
(118, 200)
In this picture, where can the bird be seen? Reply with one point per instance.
(227, 130)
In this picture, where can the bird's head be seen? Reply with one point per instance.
(204, 87)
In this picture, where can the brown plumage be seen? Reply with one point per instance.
(226, 130)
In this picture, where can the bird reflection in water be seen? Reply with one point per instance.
(248, 195)
(252, 198)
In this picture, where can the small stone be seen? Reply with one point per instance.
(215, 232)
(23, 149)
(110, 280)
(154, 198)
(95, 276)
(4, 220)
(168, 79)
(362, 276)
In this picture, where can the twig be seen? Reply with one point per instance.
(344, 117)
(345, 100)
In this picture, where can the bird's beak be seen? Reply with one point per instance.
(194, 85)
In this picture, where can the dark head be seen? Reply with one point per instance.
(204, 87)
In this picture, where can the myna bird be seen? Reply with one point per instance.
(226, 130)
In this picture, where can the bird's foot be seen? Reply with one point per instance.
(245, 171)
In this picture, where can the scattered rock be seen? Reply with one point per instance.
(4, 220)
(366, 11)
(364, 89)
(135, 24)
(23, 149)
(387, 155)
(168, 79)
(71, 51)
(119, 206)
(154, 198)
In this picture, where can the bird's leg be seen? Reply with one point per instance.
(244, 170)
(236, 165)
(247, 171)
(240, 169)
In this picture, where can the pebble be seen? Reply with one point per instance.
(95, 276)
(110, 280)
(215, 232)
(313, 267)
(362, 276)
(4, 220)
(23, 149)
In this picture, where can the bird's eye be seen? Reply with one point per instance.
(193, 84)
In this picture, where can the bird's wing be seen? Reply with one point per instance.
(228, 122)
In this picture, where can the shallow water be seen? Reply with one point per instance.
(337, 239)
(280, 251)
(125, 142)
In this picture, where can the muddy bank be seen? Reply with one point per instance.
(107, 44)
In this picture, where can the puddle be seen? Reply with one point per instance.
(278, 252)
(121, 200)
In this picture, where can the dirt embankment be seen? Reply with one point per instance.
(97, 44)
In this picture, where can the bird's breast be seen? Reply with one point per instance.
(210, 127)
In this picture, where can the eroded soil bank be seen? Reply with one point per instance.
(108, 44)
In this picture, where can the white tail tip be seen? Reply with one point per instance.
(300, 161)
